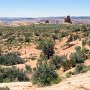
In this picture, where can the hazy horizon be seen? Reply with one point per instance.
(44, 8)
(40, 17)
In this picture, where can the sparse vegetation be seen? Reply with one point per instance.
(48, 39)
(10, 59)
(69, 74)
(45, 75)
(56, 61)
(48, 48)
(79, 56)
(79, 68)
(12, 75)
(28, 68)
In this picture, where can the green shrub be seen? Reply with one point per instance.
(27, 34)
(83, 42)
(71, 38)
(4, 88)
(79, 68)
(48, 48)
(78, 48)
(65, 64)
(27, 39)
(10, 59)
(10, 39)
(0, 51)
(83, 28)
(37, 33)
(43, 57)
(57, 80)
(12, 75)
(39, 43)
(72, 62)
(85, 69)
(76, 57)
(60, 61)
(20, 39)
(80, 55)
(84, 53)
(63, 34)
(45, 75)
(56, 61)
(1, 34)
(28, 68)
(54, 36)
(69, 74)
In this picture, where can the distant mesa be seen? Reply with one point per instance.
(67, 19)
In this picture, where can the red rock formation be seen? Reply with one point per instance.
(68, 19)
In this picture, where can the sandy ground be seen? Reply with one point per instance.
(31, 51)
(76, 82)
(27, 52)
(60, 49)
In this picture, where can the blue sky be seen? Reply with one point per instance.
(44, 8)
